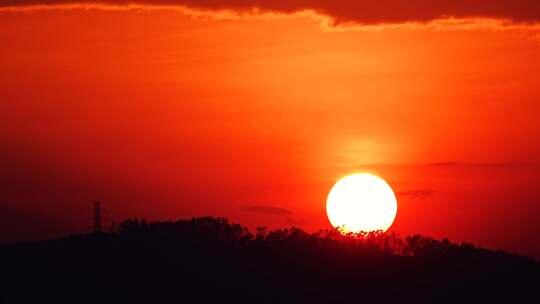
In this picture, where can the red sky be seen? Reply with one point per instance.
(177, 111)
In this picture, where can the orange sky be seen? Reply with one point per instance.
(162, 114)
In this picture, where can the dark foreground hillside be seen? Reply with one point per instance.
(207, 260)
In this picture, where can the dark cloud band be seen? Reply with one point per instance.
(344, 11)
(268, 210)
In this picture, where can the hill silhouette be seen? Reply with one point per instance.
(204, 260)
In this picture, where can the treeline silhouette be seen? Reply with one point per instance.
(203, 260)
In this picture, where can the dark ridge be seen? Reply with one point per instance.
(209, 260)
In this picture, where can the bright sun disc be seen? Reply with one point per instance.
(361, 202)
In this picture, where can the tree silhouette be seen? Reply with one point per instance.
(212, 260)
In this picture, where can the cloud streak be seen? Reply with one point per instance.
(487, 165)
(268, 210)
(364, 12)
(420, 194)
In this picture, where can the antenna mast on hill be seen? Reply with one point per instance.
(97, 217)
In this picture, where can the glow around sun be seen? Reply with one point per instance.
(361, 202)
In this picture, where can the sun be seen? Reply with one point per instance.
(361, 202)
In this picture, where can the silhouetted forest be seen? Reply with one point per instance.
(205, 260)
